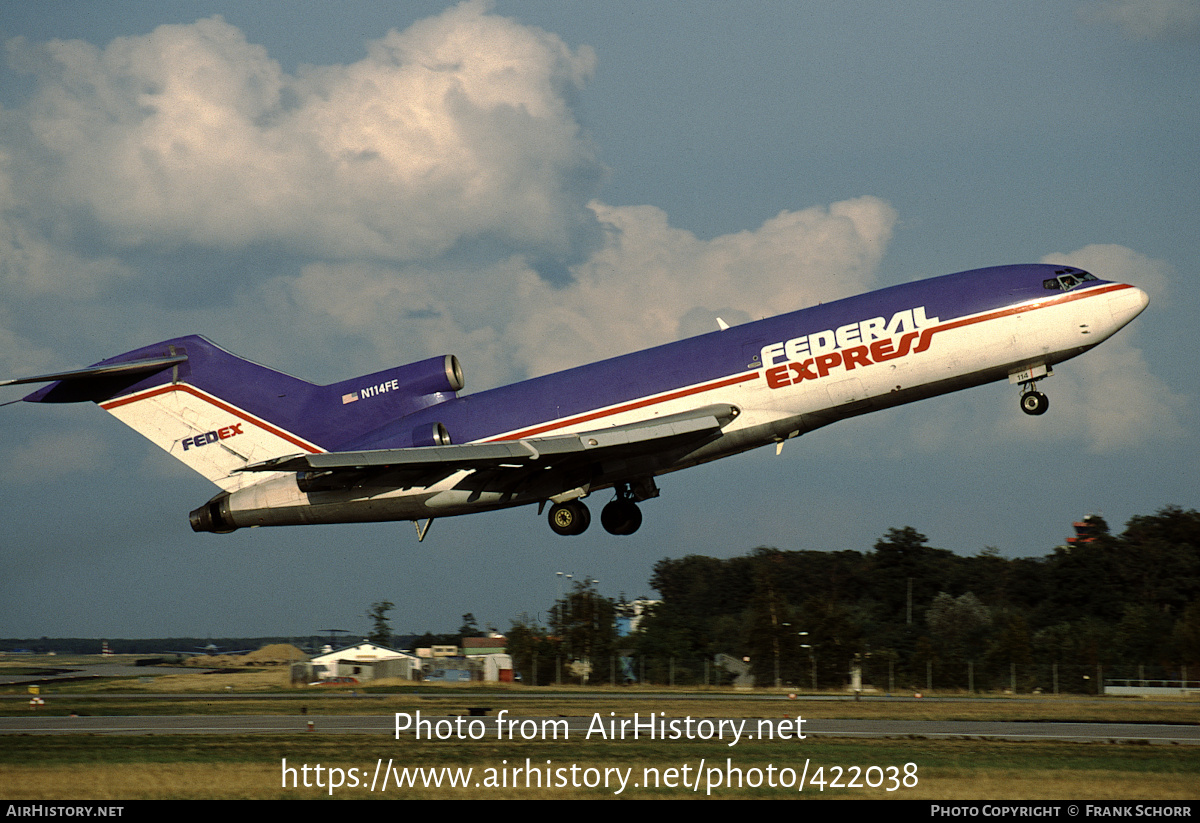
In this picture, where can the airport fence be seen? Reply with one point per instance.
(883, 676)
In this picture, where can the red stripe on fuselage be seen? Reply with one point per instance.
(221, 404)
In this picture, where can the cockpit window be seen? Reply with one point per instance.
(1067, 279)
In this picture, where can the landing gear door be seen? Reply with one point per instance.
(1029, 374)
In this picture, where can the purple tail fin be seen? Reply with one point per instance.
(217, 412)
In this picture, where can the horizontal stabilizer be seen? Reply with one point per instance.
(128, 369)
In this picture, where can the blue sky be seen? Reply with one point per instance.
(534, 185)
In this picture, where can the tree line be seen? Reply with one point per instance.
(905, 614)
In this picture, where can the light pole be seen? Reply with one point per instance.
(812, 659)
(561, 604)
(592, 624)
(561, 629)
(803, 646)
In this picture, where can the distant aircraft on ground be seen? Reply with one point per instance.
(400, 444)
(208, 651)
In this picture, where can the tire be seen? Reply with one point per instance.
(621, 517)
(569, 518)
(1034, 402)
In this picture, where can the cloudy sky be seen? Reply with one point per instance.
(534, 185)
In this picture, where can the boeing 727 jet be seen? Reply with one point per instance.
(401, 444)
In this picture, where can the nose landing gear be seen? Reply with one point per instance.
(1034, 402)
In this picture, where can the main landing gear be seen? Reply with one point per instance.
(621, 516)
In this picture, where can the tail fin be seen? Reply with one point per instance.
(217, 412)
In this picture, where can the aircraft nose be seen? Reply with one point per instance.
(1126, 304)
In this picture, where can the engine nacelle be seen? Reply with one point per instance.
(213, 516)
(437, 374)
(433, 434)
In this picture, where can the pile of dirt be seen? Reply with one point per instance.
(277, 654)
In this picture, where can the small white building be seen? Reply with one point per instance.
(364, 661)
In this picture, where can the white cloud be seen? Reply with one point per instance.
(1116, 401)
(406, 314)
(1115, 398)
(458, 129)
(634, 292)
(637, 289)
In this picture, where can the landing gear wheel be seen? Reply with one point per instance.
(621, 517)
(1034, 402)
(570, 518)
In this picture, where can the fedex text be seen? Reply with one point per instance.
(212, 437)
(812, 356)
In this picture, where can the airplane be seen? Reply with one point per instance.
(402, 444)
(209, 650)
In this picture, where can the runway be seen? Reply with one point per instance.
(578, 727)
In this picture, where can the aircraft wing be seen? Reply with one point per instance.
(428, 464)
